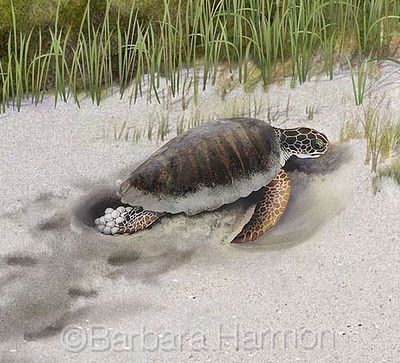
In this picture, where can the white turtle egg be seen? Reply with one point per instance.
(110, 224)
(123, 214)
(114, 230)
(115, 213)
(107, 230)
(119, 220)
(128, 209)
(108, 217)
(102, 220)
(108, 211)
(97, 221)
(121, 209)
(100, 227)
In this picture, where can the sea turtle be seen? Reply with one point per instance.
(212, 165)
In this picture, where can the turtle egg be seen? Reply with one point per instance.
(102, 220)
(107, 230)
(119, 220)
(97, 221)
(100, 227)
(110, 224)
(114, 230)
(108, 217)
(121, 209)
(115, 213)
(128, 209)
(108, 211)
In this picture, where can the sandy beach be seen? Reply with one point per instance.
(321, 286)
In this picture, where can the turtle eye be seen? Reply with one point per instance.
(317, 144)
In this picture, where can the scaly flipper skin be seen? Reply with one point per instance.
(126, 220)
(137, 219)
(269, 210)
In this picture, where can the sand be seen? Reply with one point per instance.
(321, 286)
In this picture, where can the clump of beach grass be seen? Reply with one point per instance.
(350, 130)
(258, 40)
(392, 170)
(380, 130)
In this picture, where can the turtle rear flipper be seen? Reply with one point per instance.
(138, 219)
(126, 220)
(268, 210)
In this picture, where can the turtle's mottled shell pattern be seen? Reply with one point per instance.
(217, 154)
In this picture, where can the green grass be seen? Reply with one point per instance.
(359, 82)
(350, 130)
(392, 170)
(266, 40)
(311, 111)
(379, 129)
(160, 124)
(390, 139)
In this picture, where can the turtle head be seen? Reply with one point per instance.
(303, 142)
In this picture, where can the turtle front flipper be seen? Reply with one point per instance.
(268, 210)
(126, 220)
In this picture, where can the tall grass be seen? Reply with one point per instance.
(379, 128)
(359, 82)
(161, 122)
(282, 37)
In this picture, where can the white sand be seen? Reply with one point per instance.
(321, 286)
